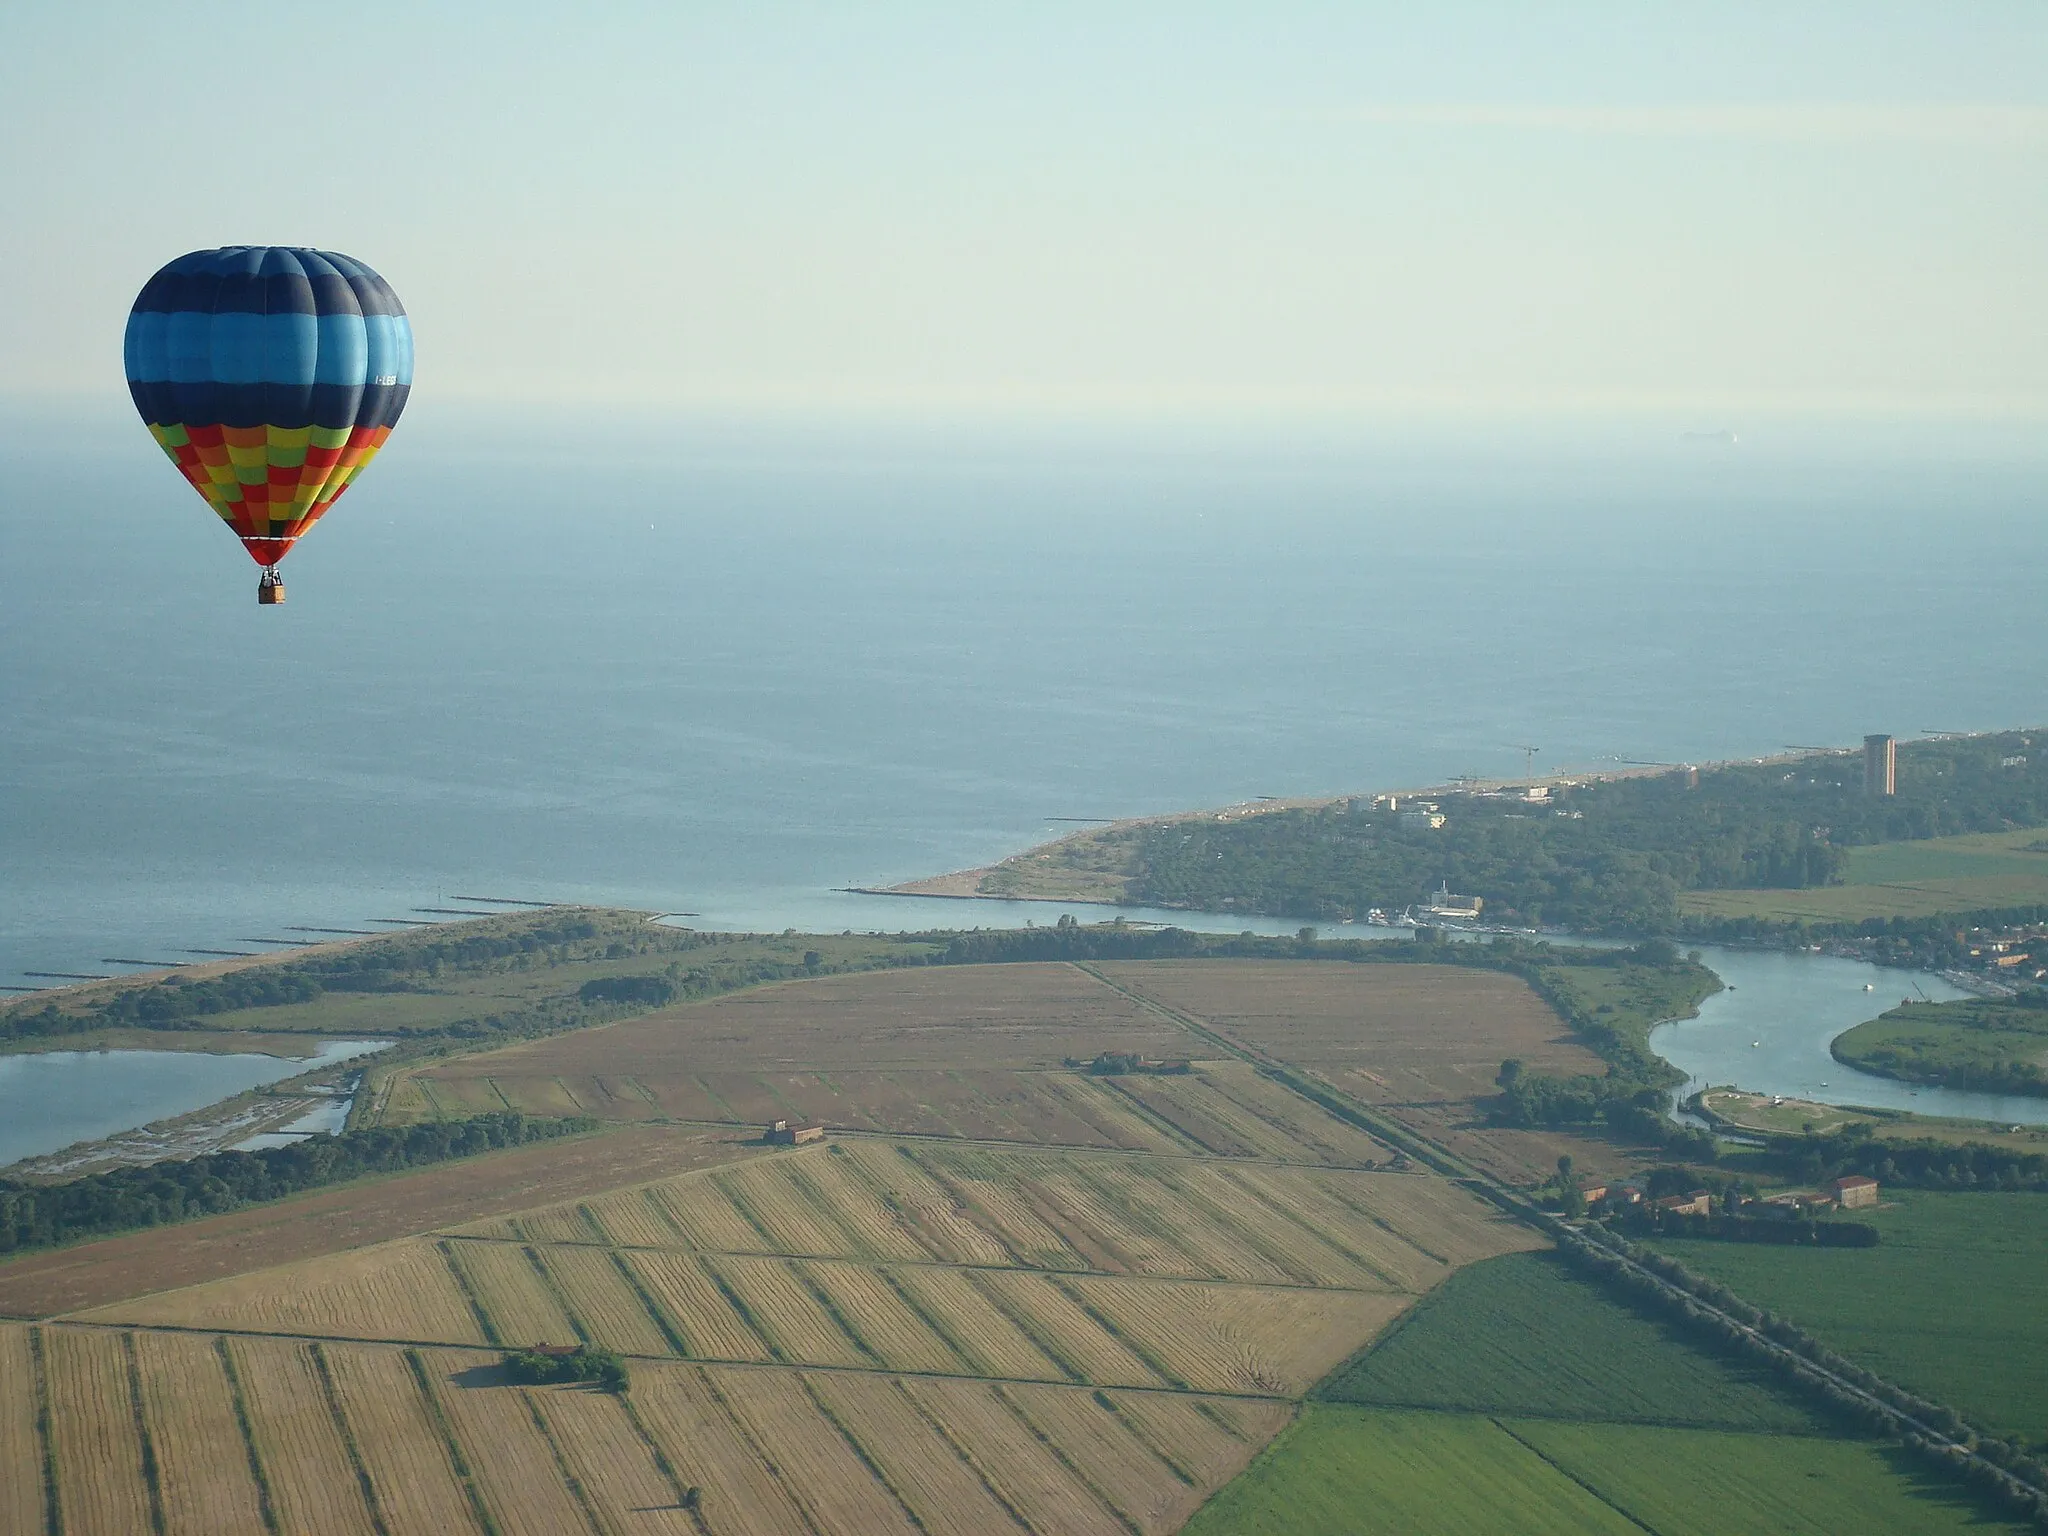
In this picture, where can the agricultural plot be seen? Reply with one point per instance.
(827, 1474)
(21, 1447)
(507, 1286)
(605, 1299)
(695, 1308)
(188, 1407)
(1386, 1033)
(1893, 1307)
(95, 1443)
(393, 1291)
(708, 1449)
(1519, 1335)
(306, 1463)
(399, 1449)
(515, 1465)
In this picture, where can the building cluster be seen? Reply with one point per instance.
(1850, 1192)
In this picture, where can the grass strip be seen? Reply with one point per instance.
(1103, 1321)
(874, 1467)
(431, 1402)
(670, 1329)
(1059, 1454)
(53, 1507)
(265, 1504)
(1027, 1325)
(348, 1438)
(151, 1479)
(569, 1479)
(476, 1304)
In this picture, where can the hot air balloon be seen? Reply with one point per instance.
(270, 375)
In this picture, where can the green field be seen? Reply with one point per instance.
(1952, 1304)
(1519, 1335)
(1982, 1043)
(1348, 1471)
(1977, 872)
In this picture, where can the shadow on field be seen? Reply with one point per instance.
(481, 1376)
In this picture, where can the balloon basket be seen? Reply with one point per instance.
(269, 590)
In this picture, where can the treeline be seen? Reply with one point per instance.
(1662, 1286)
(1815, 1159)
(121, 1199)
(1922, 943)
(1601, 857)
(1648, 1221)
(544, 1368)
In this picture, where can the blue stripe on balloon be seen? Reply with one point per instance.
(344, 351)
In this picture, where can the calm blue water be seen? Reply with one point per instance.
(50, 1099)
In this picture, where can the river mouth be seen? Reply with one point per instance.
(50, 1100)
(1769, 1031)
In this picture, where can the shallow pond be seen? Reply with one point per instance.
(50, 1099)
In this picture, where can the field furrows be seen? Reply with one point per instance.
(415, 1484)
(1381, 1259)
(604, 1300)
(313, 1486)
(1434, 1218)
(1190, 1241)
(779, 1303)
(513, 1462)
(1209, 1444)
(744, 1495)
(1207, 1126)
(400, 1290)
(630, 1218)
(884, 1322)
(1062, 1329)
(558, 1224)
(93, 1433)
(1046, 1492)
(1295, 1252)
(949, 1496)
(1235, 1339)
(933, 1214)
(1145, 1489)
(512, 1294)
(1104, 1111)
(837, 1489)
(768, 1196)
(607, 1456)
(1304, 1127)
(990, 1342)
(1094, 1210)
(21, 1448)
(699, 1210)
(985, 1191)
(202, 1465)
(873, 1230)
(696, 1308)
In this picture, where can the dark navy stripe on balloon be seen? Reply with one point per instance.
(267, 280)
(277, 405)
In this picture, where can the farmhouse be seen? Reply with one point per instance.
(784, 1134)
(1592, 1190)
(1854, 1190)
(1699, 1203)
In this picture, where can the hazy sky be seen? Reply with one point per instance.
(1246, 208)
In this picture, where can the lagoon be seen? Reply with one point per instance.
(51, 1099)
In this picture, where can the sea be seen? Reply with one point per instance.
(726, 666)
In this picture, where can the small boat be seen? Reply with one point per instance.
(1754, 1044)
(1868, 987)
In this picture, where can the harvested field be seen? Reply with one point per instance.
(880, 1318)
(1211, 1440)
(930, 1211)
(1128, 1475)
(782, 1307)
(202, 1465)
(694, 1306)
(1026, 1473)
(948, 1496)
(520, 1304)
(353, 1216)
(875, 1228)
(93, 1434)
(631, 1219)
(415, 1484)
(393, 1291)
(606, 1455)
(21, 1448)
(745, 1492)
(512, 1460)
(988, 1341)
(1061, 1330)
(313, 1486)
(825, 1475)
(604, 1300)
(1386, 1033)
(771, 1201)
(1218, 1338)
(565, 1223)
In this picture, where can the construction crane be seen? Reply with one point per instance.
(1528, 757)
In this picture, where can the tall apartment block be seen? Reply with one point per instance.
(1880, 765)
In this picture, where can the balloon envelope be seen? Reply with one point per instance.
(270, 375)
